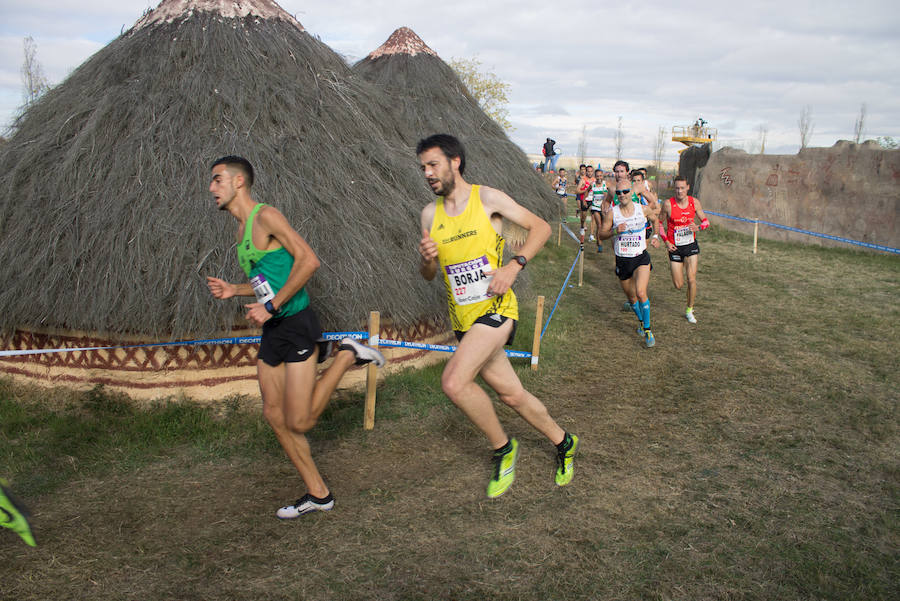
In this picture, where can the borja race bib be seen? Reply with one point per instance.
(468, 280)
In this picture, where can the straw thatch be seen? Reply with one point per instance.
(105, 217)
(426, 96)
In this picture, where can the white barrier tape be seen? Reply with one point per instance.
(444, 348)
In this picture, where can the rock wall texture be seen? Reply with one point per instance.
(849, 190)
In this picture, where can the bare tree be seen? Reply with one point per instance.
(582, 144)
(763, 131)
(859, 128)
(620, 139)
(33, 81)
(806, 126)
(660, 149)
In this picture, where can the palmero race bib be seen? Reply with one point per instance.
(261, 289)
(468, 280)
(683, 235)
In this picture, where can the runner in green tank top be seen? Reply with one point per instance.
(279, 263)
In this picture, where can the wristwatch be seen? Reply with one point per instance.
(522, 261)
(270, 307)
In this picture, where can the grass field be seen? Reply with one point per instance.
(751, 456)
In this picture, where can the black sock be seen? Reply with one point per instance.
(323, 500)
(504, 449)
(566, 444)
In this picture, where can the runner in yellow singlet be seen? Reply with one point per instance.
(461, 239)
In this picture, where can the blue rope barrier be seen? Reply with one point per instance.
(808, 233)
(563, 289)
(235, 340)
(443, 348)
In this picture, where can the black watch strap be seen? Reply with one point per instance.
(522, 261)
(270, 307)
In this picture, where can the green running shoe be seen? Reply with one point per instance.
(504, 470)
(566, 463)
(14, 516)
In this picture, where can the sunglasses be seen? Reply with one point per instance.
(622, 192)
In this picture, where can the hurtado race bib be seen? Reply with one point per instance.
(630, 244)
(468, 280)
(261, 289)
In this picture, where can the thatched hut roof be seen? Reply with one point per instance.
(105, 217)
(426, 97)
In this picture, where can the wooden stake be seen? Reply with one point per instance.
(581, 266)
(536, 342)
(372, 371)
(755, 233)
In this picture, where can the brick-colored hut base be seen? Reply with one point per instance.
(206, 372)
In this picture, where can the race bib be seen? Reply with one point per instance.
(468, 280)
(629, 245)
(561, 191)
(261, 289)
(597, 202)
(683, 235)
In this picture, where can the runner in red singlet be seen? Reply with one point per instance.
(680, 236)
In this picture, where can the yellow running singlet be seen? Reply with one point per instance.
(468, 245)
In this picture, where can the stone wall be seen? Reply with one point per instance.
(849, 190)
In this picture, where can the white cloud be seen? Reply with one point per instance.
(656, 64)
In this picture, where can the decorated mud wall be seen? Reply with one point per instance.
(849, 190)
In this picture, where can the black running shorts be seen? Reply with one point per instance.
(625, 266)
(495, 321)
(292, 339)
(682, 252)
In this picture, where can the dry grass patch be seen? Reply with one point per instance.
(752, 456)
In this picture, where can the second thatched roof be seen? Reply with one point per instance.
(426, 96)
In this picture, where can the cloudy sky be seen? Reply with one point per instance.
(743, 66)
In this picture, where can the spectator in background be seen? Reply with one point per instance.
(549, 154)
(556, 154)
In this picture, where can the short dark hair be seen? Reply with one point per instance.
(235, 162)
(680, 178)
(637, 172)
(627, 168)
(449, 145)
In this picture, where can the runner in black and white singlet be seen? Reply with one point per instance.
(559, 186)
(626, 221)
(598, 195)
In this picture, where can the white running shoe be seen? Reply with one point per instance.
(305, 504)
(592, 239)
(689, 315)
(364, 354)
